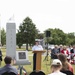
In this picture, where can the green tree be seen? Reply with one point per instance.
(71, 37)
(3, 37)
(27, 32)
(40, 35)
(57, 36)
(19, 39)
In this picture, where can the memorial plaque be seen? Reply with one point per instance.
(22, 55)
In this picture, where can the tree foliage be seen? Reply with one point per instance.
(27, 32)
(59, 37)
(3, 37)
(19, 39)
(40, 35)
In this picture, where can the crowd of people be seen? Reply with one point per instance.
(62, 57)
(66, 55)
(69, 51)
(61, 66)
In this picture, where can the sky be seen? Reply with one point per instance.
(44, 13)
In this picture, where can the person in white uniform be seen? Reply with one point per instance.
(56, 67)
(36, 47)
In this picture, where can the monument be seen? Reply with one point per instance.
(11, 39)
(21, 57)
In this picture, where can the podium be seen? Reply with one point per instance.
(38, 58)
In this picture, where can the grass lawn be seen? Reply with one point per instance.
(45, 65)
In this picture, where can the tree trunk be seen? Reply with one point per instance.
(19, 47)
(27, 46)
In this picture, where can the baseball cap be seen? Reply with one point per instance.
(56, 62)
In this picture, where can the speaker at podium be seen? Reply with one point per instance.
(38, 58)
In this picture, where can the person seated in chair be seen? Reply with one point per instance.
(65, 51)
(65, 64)
(8, 67)
(54, 52)
(56, 67)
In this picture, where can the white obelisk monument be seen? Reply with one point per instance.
(11, 39)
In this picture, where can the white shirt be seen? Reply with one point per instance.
(74, 51)
(57, 73)
(37, 47)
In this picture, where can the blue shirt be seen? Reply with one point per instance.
(8, 68)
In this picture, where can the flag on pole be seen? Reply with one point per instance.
(11, 18)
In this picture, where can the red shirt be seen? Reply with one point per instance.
(66, 52)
